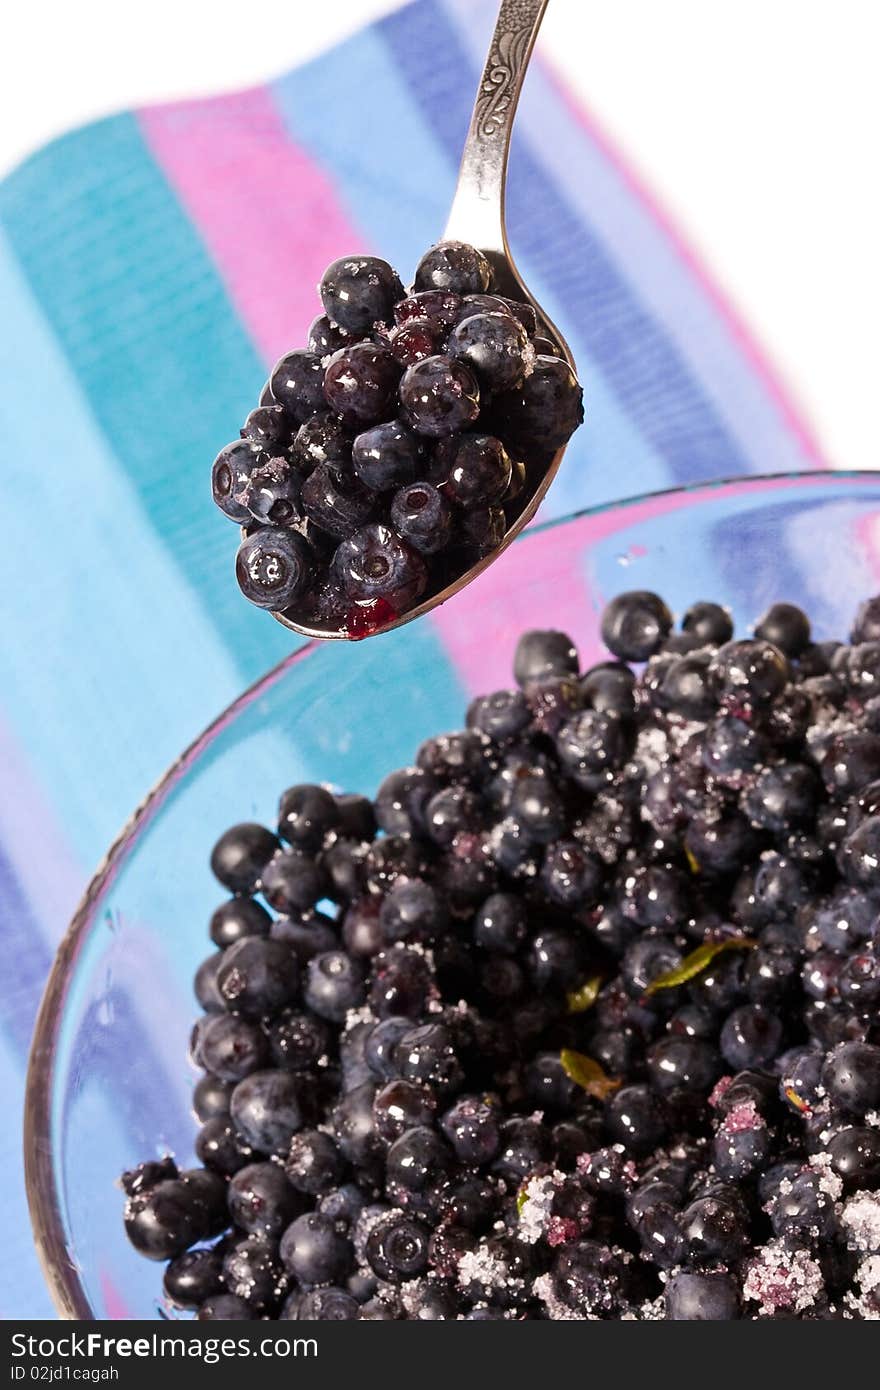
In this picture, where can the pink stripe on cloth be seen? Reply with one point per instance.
(751, 350)
(268, 215)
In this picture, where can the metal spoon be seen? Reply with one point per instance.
(477, 217)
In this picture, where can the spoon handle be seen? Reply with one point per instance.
(477, 212)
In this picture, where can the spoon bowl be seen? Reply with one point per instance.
(477, 217)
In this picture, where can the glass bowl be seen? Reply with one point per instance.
(109, 1083)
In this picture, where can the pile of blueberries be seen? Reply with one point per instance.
(395, 451)
(577, 1019)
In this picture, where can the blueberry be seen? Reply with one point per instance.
(421, 515)
(257, 976)
(269, 428)
(714, 1231)
(401, 1105)
(297, 383)
(655, 895)
(380, 1047)
(493, 346)
(230, 476)
(501, 716)
(293, 881)
(326, 337)
(710, 622)
(326, 1304)
(439, 395)
(418, 1159)
(571, 875)
(306, 815)
(501, 924)
(482, 529)
(314, 1252)
(543, 654)
(362, 933)
(416, 339)
(334, 984)
(387, 456)
(866, 627)
(751, 673)
(450, 813)
(261, 1200)
(397, 1248)
(860, 854)
(274, 567)
(426, 1054)
(696, 1297)
(219, 1147)
(323, 438)
(592, 745)
(851, 763)
(471, 1126)
(544, 412)
(336, 504)
(240, 855)
(144, 1176)
(591, 1278)
(225, 1307)
(454, 266)
(686, 1062)
(524, 1146)
(298, 1039)
(193, 1277)
(634, 625)
(686, 688)
(210, 1098)
(358, 292)
(360, 383)
(266, 1107)
(252, 1272)
(855, 1156)
(787, 627)
(636, 1118)
(376, 564)
(412, 911)
(851, 1076)
(166, 1219)
(307, 932)
(314, 1164)
(783, 797)
(205, 986)
(803, 1212)
(354, 1128)
(236, 919)
(230, 1047)
(719, 844)
(480, 471)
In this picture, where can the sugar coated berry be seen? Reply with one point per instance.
(358, 292)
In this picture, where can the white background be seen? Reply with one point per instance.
(755, 121)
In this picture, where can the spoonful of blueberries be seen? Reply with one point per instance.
(390, 461)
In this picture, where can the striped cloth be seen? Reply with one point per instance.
(152, 266)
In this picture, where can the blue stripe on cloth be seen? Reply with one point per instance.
(402, 222)
(659, 273)
(169, 373)
(640, 364)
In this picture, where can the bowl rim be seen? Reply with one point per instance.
(44, 1201)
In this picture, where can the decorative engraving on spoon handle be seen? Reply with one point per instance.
(477, 212)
